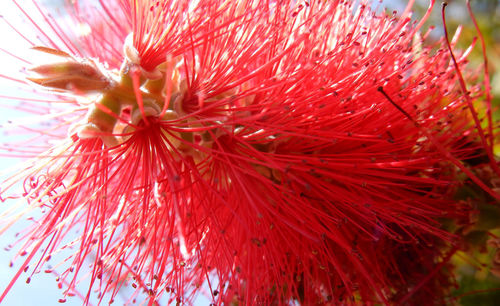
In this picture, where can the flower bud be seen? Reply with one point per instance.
(71, 75)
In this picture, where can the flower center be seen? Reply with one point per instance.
(124, 98)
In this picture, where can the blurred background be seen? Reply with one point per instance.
(478, 286)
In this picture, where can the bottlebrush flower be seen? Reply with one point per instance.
(267, 151)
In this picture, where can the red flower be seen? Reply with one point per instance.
(270, 151)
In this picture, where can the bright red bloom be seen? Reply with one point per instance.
(270, 151)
